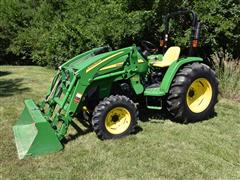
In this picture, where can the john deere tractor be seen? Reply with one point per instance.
(108, 85)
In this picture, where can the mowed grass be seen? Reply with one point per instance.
(162, 150)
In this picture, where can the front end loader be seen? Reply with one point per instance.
(107, 85)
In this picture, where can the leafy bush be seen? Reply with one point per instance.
(50, 32)
(57, 34)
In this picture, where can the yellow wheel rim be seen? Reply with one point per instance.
(117, 120)
(199, 95)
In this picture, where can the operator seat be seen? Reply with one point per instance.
(169, 57)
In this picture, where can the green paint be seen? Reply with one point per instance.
(33, 134)
(154, 107)
(153, 92)
(173, 69)
(33, 131)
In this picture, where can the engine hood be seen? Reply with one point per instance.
(89, 60)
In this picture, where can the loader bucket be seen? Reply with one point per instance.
(33, 133)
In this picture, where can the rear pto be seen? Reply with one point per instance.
(106, 85)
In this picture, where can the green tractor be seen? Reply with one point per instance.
(107, 86)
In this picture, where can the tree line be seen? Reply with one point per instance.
(49, 32)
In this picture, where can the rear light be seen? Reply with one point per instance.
(162, 43)
(195, 43)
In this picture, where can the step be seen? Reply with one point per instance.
(154, 107)
(154, 102)
(153, 91)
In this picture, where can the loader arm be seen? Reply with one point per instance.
(101, 71)
(98, 67)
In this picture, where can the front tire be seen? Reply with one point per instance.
(114, 117)
(193, 93)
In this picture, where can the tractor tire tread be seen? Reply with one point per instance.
(100, 110)
(175, 102)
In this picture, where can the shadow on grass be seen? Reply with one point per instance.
(4, 73)
(79, 131)
(88, 129)
(145, 115)
(159, 116)
(10, 87)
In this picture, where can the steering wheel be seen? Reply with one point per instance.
(149, 47)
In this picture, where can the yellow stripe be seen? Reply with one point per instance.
(112, 66)
(140, 61)
(101, 61)
(118, 64)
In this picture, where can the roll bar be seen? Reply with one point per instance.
(195, 33)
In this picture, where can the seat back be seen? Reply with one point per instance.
(169, 57)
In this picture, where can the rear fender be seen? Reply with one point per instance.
(173, 69)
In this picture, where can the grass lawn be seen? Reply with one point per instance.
(162, 150)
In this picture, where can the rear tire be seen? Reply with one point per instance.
(114, 117)
(193, 93)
